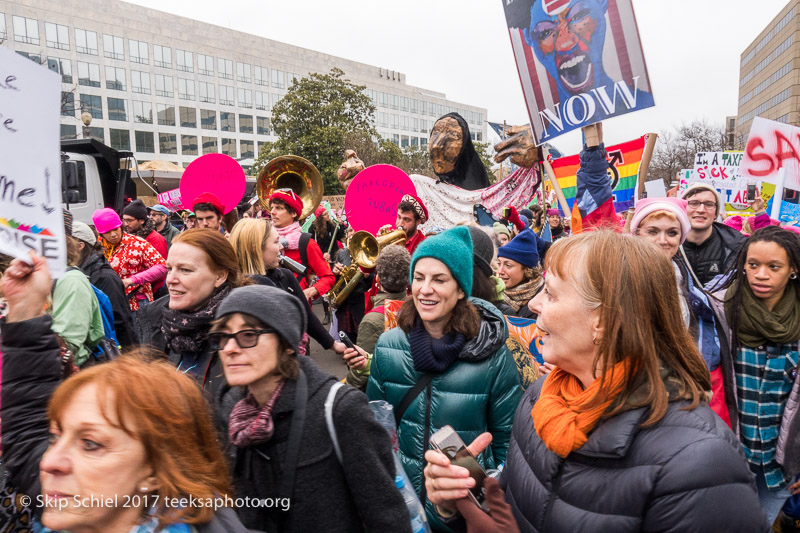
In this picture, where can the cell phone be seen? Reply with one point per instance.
(346, 340)
(751, 192)
(506, 212)
(447, 441)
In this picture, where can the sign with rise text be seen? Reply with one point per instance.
(30, 164)
(579, 62)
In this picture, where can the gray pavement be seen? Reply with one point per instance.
(327, 359)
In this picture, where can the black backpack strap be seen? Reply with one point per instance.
(410, 396)
(289, 466)
(302, 247)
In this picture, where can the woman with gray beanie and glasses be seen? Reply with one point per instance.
(271, 416)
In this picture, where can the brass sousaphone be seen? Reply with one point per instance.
(295, 173)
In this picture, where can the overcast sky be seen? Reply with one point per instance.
(462, 48)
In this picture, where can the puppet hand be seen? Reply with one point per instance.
(519, 147)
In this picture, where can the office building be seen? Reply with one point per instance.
(171, 88)
(769, 75)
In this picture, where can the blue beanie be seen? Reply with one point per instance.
(523, 249)
(453, 248)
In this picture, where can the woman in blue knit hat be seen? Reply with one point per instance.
(447, 360)
(519, 269)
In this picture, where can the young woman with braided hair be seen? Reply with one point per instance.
(761, 304)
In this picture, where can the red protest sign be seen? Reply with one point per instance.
(770, 147)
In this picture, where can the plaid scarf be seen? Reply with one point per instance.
(250, 424)
(519, 296)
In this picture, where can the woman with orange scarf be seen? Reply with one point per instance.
(619, 436)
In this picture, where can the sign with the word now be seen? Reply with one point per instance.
(30, 164)
(579, 62)
(770, 147)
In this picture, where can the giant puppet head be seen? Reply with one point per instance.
(351, 166)
(567, 37)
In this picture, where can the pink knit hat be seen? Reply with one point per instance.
(676, 206)
(106, 220)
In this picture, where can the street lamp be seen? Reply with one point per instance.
(86, 118)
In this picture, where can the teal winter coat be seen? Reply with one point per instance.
(478, 393)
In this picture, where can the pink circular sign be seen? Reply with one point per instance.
(372, 198)
(219, 174)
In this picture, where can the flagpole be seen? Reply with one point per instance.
(644, 166)
(551, 175)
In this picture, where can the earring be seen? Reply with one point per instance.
(595, 341)
(144, 489)
(793, 275)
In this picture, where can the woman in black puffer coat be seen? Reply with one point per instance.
(618, 437)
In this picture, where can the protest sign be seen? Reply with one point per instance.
(770, 147)
(623, 159)
(31, 218)
(171, 199)
(721, 171)
(602, 75)
(372, 198)
(219, 174)
(790, 214)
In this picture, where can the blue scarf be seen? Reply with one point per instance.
(434, 355)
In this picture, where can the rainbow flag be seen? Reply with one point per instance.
(623, 160)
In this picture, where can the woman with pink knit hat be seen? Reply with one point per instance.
(132, 258)
(664, 222)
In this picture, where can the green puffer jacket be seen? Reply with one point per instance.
(479, 393)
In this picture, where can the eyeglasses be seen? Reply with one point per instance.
(247, 338)
(695, 204)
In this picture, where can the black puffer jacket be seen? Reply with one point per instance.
(716, 255)
(326, 496)
(102, 276)
(686, 473)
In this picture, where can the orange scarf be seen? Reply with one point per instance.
(562, 416)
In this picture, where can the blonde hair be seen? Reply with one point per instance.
(248, 238)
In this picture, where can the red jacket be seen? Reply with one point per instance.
(316, 265)
(413, 242)
(158, 242)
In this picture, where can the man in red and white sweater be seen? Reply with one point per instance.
(285, 210)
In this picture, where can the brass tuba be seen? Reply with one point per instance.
(364, 250)
(295, 173)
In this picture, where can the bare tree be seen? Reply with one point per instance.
(676, 148)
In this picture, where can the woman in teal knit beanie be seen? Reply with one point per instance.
(459, 344)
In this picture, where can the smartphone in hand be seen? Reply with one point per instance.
(447, 441)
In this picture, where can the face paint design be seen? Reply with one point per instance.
(567, 37)
(445, 145)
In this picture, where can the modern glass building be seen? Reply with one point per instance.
(173, 88)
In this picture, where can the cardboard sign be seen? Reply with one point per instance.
(771, 146)
(171, 199)
(602, 74)
(372, 198)
(30, 164)
(215, 173)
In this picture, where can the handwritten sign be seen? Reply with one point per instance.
(30, 173)
(219, 174)
(790, 214)
(721, 171)
(771, 146)
(171, 200)
(372, 198)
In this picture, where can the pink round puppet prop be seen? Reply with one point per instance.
(372, 197)
(219, 174)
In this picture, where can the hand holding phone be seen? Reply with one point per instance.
(448, 442)
(346, 340)
(751, 192)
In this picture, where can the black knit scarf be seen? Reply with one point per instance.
(188, 331)
(434, 355)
